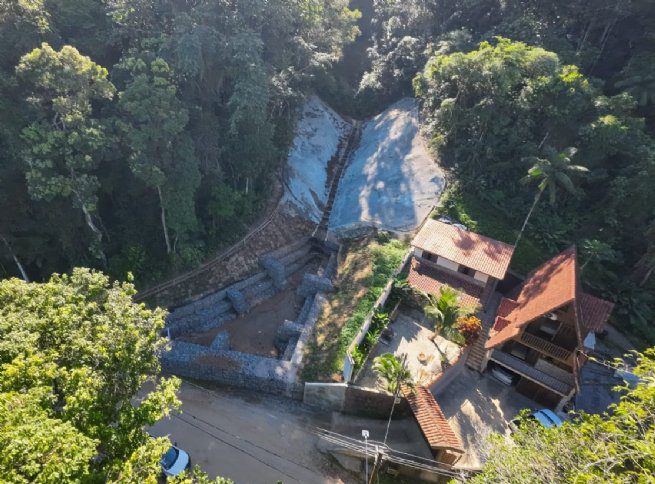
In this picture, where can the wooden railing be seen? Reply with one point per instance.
(546, 347)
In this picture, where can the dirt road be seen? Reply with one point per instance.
(250, 438)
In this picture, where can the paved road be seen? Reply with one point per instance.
(250, 438)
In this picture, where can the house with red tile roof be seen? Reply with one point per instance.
(538, 338)
(466, 261)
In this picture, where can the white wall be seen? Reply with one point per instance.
(418, 252)
(448, 264)
(480, 276)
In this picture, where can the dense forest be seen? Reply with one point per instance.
(140, 136)
(522, 98)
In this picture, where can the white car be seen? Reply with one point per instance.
(175, 461)
(547, 418)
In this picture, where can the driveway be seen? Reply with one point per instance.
(477, 405)
(250, 438)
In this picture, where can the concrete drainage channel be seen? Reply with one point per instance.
(252, 333)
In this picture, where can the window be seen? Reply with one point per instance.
(467, 271)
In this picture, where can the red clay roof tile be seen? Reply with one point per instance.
(478, 252)
(595, 312)
(431, 419)
(550, 286)
(428, 278)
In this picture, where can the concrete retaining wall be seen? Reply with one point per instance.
(439, 385)
(352, 399)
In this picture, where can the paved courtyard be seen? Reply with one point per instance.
(412, 337)
(477, 405)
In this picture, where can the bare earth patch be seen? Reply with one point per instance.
(254, 332)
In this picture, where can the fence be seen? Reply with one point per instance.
(349, 362)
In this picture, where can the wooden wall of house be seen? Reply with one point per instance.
(538, 393)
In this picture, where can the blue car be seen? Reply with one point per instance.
(547, 418)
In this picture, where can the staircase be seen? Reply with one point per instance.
(321, 230)
(477, 352)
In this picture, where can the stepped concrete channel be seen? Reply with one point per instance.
(306, 269)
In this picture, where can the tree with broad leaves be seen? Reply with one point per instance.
(78, 379)
(391, 371)
(153, 123)
(616, 446)
(63, 145)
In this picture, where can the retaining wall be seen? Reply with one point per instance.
(352, 399)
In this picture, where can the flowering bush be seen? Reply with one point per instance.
(469, 327)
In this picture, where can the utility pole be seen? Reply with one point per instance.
(376, 465)
(396, 397)
(365, 434)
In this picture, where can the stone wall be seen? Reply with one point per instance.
(229, 367)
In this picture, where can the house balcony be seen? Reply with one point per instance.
(546, 347)
(544, 374)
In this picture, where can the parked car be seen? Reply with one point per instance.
(502, 375)
(175, 461)
(546, 418)
(447, 220)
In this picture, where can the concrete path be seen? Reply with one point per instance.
(250, 438)
(477, 405)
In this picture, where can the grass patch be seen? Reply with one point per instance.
(364, 270)
(483, 218)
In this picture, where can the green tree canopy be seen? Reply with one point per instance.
(161, 155)
(64, 145)
(75, 355)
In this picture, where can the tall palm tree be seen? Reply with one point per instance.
(553, 173)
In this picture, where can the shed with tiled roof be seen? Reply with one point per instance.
(433, 423)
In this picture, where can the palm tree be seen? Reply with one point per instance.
(552, 172)
(391, 372)
(444, 310)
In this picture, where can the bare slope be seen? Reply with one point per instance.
(317, 140)
(391, 182)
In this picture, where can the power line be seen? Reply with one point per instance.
(235, 447)
(388, 453)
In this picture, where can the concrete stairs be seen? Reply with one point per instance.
(477, 352)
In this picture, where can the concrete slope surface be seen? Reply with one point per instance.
(319, 132)
(391, 181)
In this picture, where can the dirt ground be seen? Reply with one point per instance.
(254, 332)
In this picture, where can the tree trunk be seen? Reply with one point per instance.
(643, 269)
(96, 231)
(21, 269)
(527, 218)
(163, 221)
